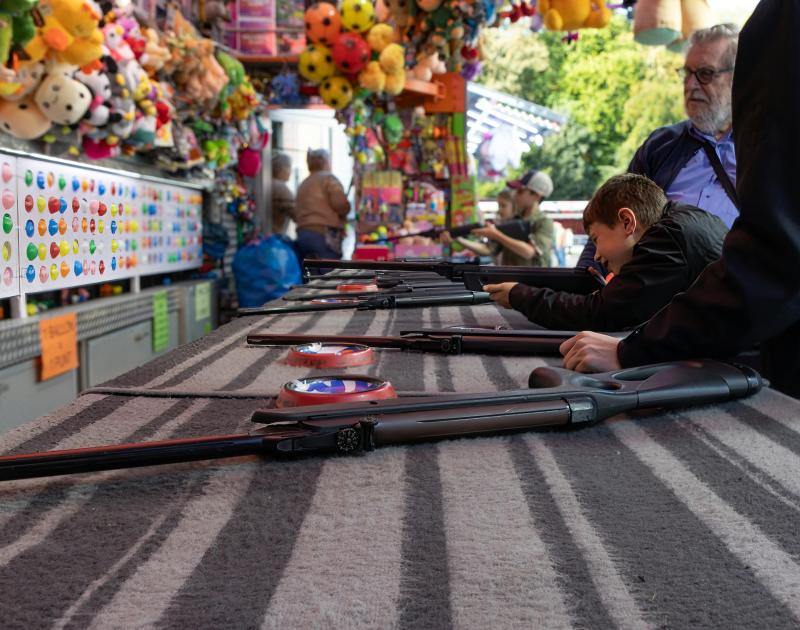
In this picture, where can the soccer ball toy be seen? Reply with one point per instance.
(358, 16)
(336, 92)
(316, 63)
(323, 23)
(350, 53)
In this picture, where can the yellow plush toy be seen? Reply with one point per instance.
(380, 36)
(570, 15)
(395, 83)
(372, 78)
(81, 20)
(392, 59)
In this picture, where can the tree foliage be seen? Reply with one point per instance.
(613, 91)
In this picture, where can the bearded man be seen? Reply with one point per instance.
(693, 161)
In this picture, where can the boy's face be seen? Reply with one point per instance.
(505, 209)
(614, 244)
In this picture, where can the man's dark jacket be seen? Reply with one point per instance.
(752, 294)
(666, 260)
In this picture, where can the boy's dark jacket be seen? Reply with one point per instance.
(666, 260)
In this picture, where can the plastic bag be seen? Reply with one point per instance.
(265, 269)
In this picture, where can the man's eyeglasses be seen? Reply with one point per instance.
(704, 76)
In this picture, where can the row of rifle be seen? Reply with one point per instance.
(556, 397)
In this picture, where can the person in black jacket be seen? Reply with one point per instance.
(752, 294)
(655, 248)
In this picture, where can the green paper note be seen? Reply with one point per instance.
(160, 322)
(202, 302)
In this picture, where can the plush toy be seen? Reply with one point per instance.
(336, 92)
(323, 23)
(350, 53)
(395, 82)
(316, 63)
(99, 83)
(23, 119)
(26, 79)
(155, 54)
(285, 89)
(380, 36)
(216, 15)
(571, 15)
(372, 78)
(61, 98)
(392, 59)
(358, 16)
(81, 20)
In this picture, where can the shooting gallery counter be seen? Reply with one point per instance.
(681, 519)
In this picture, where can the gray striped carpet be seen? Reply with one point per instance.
(676, 520)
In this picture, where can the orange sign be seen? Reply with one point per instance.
(58, 337)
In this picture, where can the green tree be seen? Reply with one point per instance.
(613, 91)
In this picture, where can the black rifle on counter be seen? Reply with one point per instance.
(374, 302)
(515, 228)
(457, 341)
(475, 276)
(558, 398)
(400, 289)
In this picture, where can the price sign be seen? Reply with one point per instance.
(58, 337)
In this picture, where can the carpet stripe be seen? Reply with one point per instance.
(334, 581)
(424, 585)
(774, 568)
(597, 591)
(246, 560)
(500, 572)
(664, 552)
(735, 480)
(200, 362)
(778, 461)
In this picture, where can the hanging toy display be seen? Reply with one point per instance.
(571, 15)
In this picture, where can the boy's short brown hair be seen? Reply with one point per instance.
(629, 190)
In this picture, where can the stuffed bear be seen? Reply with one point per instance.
(23, 119)
(395, 82)
(570, 15)
(60, 97)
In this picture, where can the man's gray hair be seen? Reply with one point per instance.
(728, 32)
(320, 154)
(281, 163)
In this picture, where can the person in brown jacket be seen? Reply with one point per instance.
(321, 209)
(282, 196)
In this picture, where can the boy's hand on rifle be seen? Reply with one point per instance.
(499, 292)
(590, 352)
(490, 232)
(445, 238)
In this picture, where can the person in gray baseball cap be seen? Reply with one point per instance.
(529, 191)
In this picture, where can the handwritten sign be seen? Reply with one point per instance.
(58, 337)
(160, 322)
(202, 302)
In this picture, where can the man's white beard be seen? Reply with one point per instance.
(712, 121)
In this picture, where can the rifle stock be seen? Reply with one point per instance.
(558, 398)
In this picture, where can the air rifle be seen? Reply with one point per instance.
(558, 398)
(400, 289)
(515, 228)
(462, 340)
(475, 276)
(375, 302)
